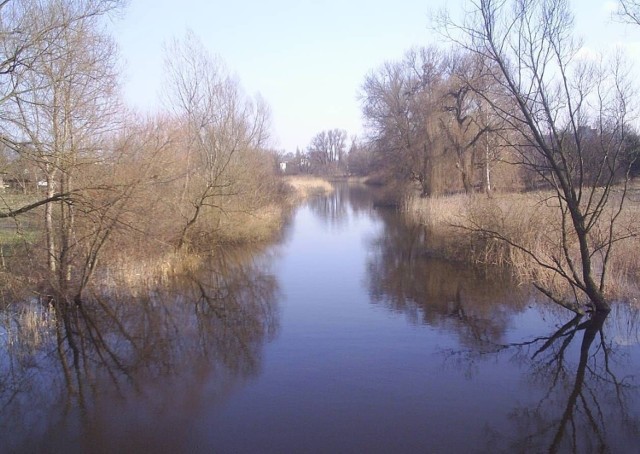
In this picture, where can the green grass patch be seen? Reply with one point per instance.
(13, 237)
(21, 229)
(11, 201)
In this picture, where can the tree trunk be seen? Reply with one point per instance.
(466, 181)
(487, 170)
(48, 225)
(591, 289)
(66, 233)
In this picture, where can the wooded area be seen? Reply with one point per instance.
(101, 182)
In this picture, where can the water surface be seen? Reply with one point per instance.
(345, 336)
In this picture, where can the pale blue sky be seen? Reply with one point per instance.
(307, 58)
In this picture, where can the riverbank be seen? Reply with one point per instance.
(236, 232)
(282, 341)
(265, 222)
(142, 251)
(465, 228)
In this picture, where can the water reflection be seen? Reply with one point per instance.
(205, 329)
(382, 349)
(477, 305)
(589, 387)
(334, 208)
(584, 373)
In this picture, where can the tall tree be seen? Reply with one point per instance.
(327, 150)
(466, 124)
(401, 106)
(226, 134)
(561, 103)
(60, 106)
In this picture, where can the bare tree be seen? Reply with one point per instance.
(559, 101)
(327, 150)
(31, 32)
(360, 157)
(629, 11)
(60, 109)
(401, 106)
(466, 123)
(224, 133)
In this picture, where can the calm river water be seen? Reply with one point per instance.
(345, 336)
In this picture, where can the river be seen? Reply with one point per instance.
(345, 335)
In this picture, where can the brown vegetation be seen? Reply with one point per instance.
(514, 94)
(459, 228)
(101, 184)
(306, 186)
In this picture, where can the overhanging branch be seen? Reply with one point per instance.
(54, 198)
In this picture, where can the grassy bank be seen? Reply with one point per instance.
(265, 222)
(457, 227)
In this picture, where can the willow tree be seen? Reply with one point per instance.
(401, 104)
(568, 118)
(466, 125)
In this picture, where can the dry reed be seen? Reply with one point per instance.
(305, 186)
(138, 275)
(500, 230)
(250, 227)
(139, 272)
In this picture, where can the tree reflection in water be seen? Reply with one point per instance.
(333, 208)
(590, 390)
(588, 381)
(202, 332)
(402, 276)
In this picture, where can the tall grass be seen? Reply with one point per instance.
(458, 228)
(305, 185)
(254, 227)
(137, 275)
